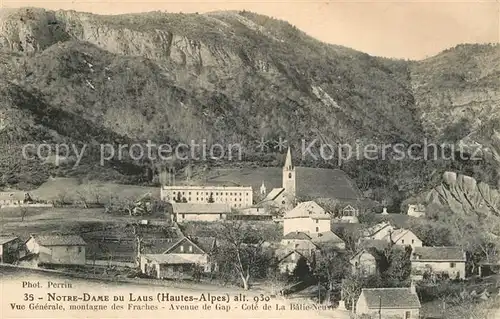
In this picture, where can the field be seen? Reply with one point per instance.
(108, 237)
(310, 182)
(270, 230)
(72, 188)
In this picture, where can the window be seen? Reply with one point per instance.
(413, 241)
(452, 265)
(190, 248)
(183, 215)
(289, 175)
(317, 221)
(402, 241)
(182, 249)
(407, 314)
(79, 249)
(283, 202)
(317, 229)
(293, 256)
(189, 193)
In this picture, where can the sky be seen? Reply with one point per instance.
(408, 29)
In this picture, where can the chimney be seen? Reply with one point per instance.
(413, 289)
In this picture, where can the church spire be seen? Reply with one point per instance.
(288, 161)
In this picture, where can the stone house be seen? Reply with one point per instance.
(58, 249)
(11, 249)
(448, 261)
(389, 303)
(181, 259)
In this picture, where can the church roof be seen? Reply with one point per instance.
(310, 182)
(274, 193)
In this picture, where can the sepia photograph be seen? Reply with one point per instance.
(250, 159)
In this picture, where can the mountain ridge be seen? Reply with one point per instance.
(238, 76)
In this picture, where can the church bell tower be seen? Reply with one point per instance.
(289, 178)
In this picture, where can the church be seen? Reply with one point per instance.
(283, 187)
(286, 195)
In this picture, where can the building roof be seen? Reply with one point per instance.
(275, 192)
(375, 229)
(297, 235)
(158, 245)
(7, 239)
(310, 182)
(60, 240)
(176, 258)
(200, 208)
(307, 209)
(288, 253)
(390, 298)
(417, 207)
(207, 244)
(203, 243)
(378, 244)
(398, 233)
(327, 236)
(364, 251)
(207, 187)
(300, 246)
(438, 254)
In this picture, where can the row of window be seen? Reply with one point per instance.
(230, 199)
(190, 248)
(216, 193)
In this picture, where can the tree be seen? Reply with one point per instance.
(242, 251)
(351, 289)
(301, 272)
(82, 197)
(24, 213)
(62, 198)
(399, 266)
(277, 280)
(330, 268)
(138, 240)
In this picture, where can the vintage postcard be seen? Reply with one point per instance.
(250, 159)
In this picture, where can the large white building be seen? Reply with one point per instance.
(234, 196)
